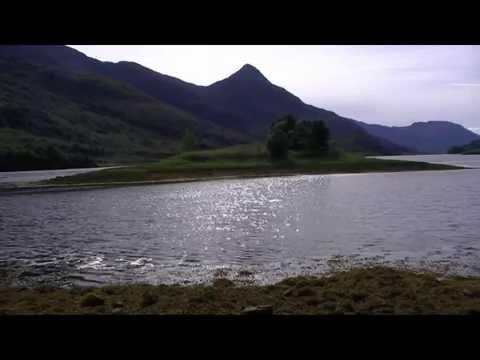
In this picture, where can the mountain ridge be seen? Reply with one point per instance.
(235, 108)
(243, 104)
(433, 136)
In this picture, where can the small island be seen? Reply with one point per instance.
(292, 148)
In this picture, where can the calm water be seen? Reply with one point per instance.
(251, 229)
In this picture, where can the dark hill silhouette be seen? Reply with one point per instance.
(253, 98)
(245, 101)
(248, 102)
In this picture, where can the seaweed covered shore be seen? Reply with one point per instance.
(374, 290)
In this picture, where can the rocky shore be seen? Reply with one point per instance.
(374, 290)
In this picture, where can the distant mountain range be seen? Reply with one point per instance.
(432, 137)
(55, 95)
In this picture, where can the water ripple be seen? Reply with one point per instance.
(269, 227)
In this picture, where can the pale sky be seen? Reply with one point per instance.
(389, 85)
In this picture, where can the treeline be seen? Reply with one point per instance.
(289, 134)
(42, 159)
(471, 148)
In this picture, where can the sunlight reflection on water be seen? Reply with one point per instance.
(267, 227)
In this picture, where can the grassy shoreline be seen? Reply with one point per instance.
(236, 162)
(374, 290)
(71, 184)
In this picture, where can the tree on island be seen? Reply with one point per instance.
(278, 144)
(289, 134)
(318, 137)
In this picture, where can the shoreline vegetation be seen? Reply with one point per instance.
(241, 161)
(372, 290)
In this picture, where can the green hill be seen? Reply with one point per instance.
(51, 118)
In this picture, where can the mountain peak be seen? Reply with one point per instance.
(249, 72)
(248, 68)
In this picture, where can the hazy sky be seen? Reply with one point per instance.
(390, 85)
